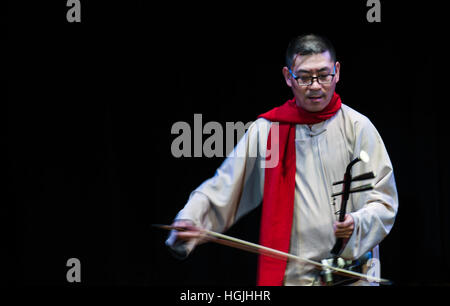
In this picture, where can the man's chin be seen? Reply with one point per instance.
(314, 107)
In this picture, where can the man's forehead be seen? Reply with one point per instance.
(313, 61)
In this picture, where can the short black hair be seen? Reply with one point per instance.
(308, 44)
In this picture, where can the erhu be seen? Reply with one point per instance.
(348, 179)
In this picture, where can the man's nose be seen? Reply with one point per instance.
(315, 85)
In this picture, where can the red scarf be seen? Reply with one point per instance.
(279, 185)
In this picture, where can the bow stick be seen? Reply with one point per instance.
(260, 249)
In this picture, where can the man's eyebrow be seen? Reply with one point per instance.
(309, 71)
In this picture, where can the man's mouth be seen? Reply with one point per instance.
(315, 98)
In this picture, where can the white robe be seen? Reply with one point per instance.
(322, 154)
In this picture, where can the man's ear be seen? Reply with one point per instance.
(338, 70)
(287, 76)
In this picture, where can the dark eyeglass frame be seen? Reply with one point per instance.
(315, 78)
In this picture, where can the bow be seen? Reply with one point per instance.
(259, 249)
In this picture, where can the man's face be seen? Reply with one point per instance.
(314, 97)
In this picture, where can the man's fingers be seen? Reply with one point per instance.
(188, 234)
(348, 222)
(343, 234)
(344, 224)
(345, 228)
(190, 230)
(341, 225)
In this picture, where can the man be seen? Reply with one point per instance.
(313, 137)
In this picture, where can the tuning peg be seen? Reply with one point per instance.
(364, 176)
(356, 189)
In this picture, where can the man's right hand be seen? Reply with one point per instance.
(190, 232)
(182, 242)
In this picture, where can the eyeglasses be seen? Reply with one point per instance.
(308, 80)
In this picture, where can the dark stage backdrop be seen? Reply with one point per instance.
(92, 104)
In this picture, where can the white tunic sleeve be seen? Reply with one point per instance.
(373, 211)
(234, 190)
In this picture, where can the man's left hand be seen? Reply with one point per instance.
(344, 229)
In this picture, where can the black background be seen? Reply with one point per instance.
(91, 106)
